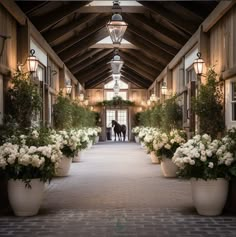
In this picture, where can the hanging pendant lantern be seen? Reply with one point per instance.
(116, 88)
(116, 64)
(116, 28)
(116, 77)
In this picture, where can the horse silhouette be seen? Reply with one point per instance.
(118, 129)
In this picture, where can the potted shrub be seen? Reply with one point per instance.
(230, 140)
(67, 142)
(136, 131)
(165, 145)
(148, 142)
(27, 168)
(206, 163)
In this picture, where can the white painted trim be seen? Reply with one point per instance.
(228, 110)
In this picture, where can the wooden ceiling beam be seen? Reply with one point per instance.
(128, 80)
(145, 46)
(90, 61)
(88, 53)
(126, 57)
(88, 31)
(53, 17)
(175, 19)
(134, 80)
(175, 6)
(108, 9)
(145, 59)
(98, 79)
(134, 75)
(139, 71)
(85, 75)
(83, 44)
(32, 6)
(61, 31)
(142, 33)
(154, 27)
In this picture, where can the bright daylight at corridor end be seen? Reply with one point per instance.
(118, 118)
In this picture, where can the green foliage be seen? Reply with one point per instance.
(23, 100)
(137, 119)
(116, 101)
(156, 116)
(208, 105)
(69, 114)
(62, 113)
(171, 114)
(145, 118)
(166, 117)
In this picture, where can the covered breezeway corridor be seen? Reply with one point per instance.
(116, 191)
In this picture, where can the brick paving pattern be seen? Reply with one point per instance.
(116, 191)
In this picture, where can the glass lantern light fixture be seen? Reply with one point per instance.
(116, 88)
(198, 64)
(164, 88)
(68, 88)
(116, 26)
(31, 62)
(81, 97)
(153, 98)
(116, 63)
(116, 77)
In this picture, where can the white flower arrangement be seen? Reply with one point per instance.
(165, 144)
(202, 157)
(28, 162)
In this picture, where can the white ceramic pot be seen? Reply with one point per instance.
(209, 196)
(97, 139)
(90, 144)
(23, 200)
(168, 168)
(154, 158)
(78, 156)
(136, 138)
(64, 166)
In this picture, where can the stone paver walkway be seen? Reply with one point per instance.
(116, 191)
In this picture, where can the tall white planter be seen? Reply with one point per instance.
(168, 168)
(64, 166)
(97, 139)
(209, 196)
(23, 200)
(136, 138)
(78, 156)
(154, 158)
(90, 144)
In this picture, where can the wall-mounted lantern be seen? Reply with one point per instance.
(198, 64)
(31, 61)
(164, 88)
(68, 88)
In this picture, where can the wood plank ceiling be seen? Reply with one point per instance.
(157, 30)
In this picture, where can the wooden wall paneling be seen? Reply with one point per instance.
(8, 59)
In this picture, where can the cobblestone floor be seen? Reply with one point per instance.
(116, 191)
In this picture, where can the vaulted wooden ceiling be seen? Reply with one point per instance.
(156, 29)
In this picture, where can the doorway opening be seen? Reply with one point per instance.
(119, 115)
